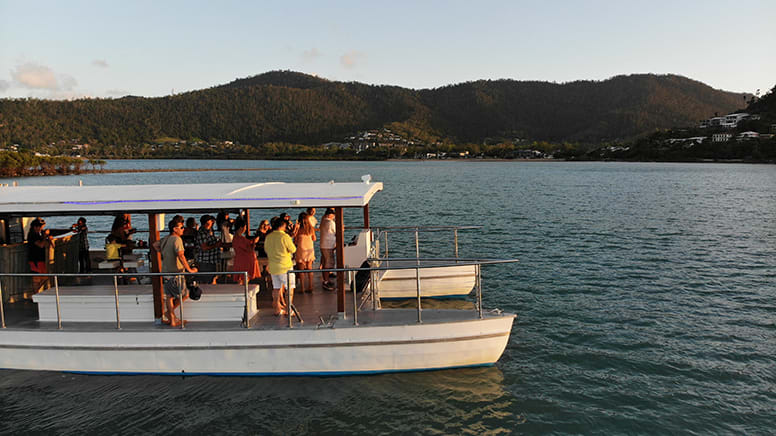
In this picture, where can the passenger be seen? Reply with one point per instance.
(113, 248)
(209, 246)
(328, 243)
(244, 253)
(84, 261)
(313, 220)
(224, 224)
(305, 254)
(38, 241)
(261, 235)
(190, 239)
(280, 247)
(290, 227)
(122, 229)
(174, 261)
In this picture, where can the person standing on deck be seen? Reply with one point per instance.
(174, 261)
(38, 241)
(209, 252)
(84, 262)
(328, 242)
(280, 247)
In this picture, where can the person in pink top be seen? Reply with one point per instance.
(305, 251)
(244, 253)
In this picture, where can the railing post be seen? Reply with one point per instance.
(56, 293)
(417, 246)
(182, 286)
(116, 289)
(288, 300)
(479, 289)
(2, 309)
(386, 244)
(355, 302)
(417, 282)
(455, 232)
(372, 287)
(247, 318)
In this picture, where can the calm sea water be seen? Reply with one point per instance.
(646, 296)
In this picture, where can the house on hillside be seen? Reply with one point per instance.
(721, 137)
(729, 121)
(743, 136)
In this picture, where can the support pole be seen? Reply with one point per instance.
(340, 225)
(59, 311)
(116, 292)
(2, 309)
(366, 216)
(156, 266)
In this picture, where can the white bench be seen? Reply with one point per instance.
(223, 302)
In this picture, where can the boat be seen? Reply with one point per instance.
(442, 278)
(108, 328)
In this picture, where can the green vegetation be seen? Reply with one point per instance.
(290, 115)
(19, 164)
(699, 144)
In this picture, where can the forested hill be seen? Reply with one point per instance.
(292, 107)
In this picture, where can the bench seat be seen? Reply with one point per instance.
(221, 302)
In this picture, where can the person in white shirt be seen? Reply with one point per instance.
(328, 242)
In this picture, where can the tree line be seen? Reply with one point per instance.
(293, 108)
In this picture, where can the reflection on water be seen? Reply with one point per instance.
(455, 401)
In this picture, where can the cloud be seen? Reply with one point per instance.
(102, 63)
(352, 58)
(311, 54)
(34, 76)
(41, 78)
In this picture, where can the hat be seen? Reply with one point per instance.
(206, 218)
(284, 216)
(37, 222)
(329, 211)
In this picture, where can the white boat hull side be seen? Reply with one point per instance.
(455, 281)
(354, 350)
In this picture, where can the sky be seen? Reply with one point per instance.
(108, 49)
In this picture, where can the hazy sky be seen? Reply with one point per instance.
(65, 49)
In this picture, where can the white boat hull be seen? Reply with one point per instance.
(302, 351)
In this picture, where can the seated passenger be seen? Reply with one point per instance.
(113, 248)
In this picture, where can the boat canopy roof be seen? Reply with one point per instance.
(107, 199)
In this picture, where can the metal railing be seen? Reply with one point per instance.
(383, 232)
(115, 277)
(373, 271)
(477, 263)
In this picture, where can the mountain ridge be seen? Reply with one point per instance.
(288, 106)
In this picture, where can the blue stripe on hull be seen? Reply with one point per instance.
(277, 374)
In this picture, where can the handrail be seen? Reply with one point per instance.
(351, 271)
(417, 230)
